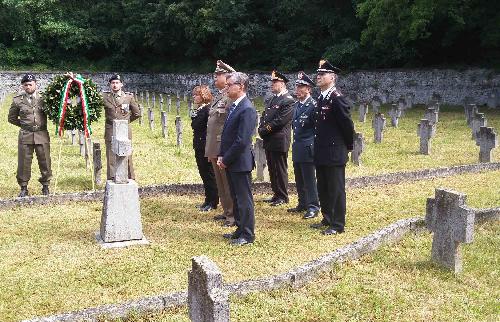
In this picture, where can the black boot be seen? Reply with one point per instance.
(23, 192)
(45, 190)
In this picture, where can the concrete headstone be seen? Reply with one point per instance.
(378, 125)
(487, 140)
(478, 120)
(359, 147)
(425, 132)
(452, 223)
(363, 111)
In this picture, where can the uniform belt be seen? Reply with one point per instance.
(34, 128)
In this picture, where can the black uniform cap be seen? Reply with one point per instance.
(28, 78)
(326, 67)
(303, 79)
(115, 77)
(275, 75)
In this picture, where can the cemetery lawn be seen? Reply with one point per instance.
(51, 262)
(160, 161)
(396, 283)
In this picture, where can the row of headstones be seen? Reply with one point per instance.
(447, 216)
(3, 96)
(484, 136)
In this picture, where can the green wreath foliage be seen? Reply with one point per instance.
(74, 114)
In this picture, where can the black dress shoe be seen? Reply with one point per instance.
(318, 225)
(269, 200)
(24, 192)
(230, 236)
(296, 209)
(239, 241)
(278, 202)
(208, 208)
(45, 190)
(331, 231)
(310, 214)
(220, 217)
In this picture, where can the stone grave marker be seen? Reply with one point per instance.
(169, 103)
(81, 141)
(97, 160)
(384, 98)
(432, 115)
(435, 98)
(359, 147)
(378, 125)
(410, 99)
(190, 107)
(73, 137)
(478, 120)
(395, 114)
(208, 300)
(470, 111)
(452, 223)
(178, 106)
(260, 159)
(492, 100)
(376, 105)
(121, 218)
(142, 97)
(363, 111)
(487, 140)
(147, 99)
(141, 114)
(151, 118)
(178, 130)
(425, 132)
(164, 123)
(154, 100)
(161, 102)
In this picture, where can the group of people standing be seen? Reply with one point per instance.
(322, 137)
(223, 128)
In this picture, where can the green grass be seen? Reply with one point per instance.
(159, 161)
(51, 262)
(396, 283)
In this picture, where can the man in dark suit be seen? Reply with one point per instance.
(275, 131)
(333, 139)
(236, 156)
(303, 148)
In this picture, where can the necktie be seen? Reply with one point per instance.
(231, 109)
(30, 99)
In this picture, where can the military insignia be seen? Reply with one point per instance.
(276, 106)
(325, 107)
(125, 107)
(321, 63)
(300, 75)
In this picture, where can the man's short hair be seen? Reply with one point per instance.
(239, 78)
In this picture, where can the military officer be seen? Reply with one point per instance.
(303, 148)
(333, 139)
(217, 115)
(26, 112)
(118, 105)
(275, 131)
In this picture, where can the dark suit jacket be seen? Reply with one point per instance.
(199, 121)
(303, 131)
(236, 139)
(334, 130)
(275, 123)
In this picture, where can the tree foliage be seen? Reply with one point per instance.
(170, 35)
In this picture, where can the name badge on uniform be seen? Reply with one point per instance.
(125, 107)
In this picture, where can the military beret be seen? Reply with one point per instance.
(223, 68)
(303, 79)
(277, 76)
(326, 67)
(115, 77)
(28, 78)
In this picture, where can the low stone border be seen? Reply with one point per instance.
(296, 277)
(182, 189)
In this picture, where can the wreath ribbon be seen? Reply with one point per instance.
(63, 103)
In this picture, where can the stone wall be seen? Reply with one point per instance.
(480, 86)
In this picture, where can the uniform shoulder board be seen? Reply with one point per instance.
(18, 95)
(106, 92)
(129, 93)
(336, 92)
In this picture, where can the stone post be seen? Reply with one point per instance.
(73, 137)
(169, 103)
(141, 116)
(154, 100)
(208, 300)
(363, 111)
(147, 99)
(432, 115)
(378, 125)
(178, 130)
(478, 120)
(151, 118)
(425, 132)
(164, 122)
(260, 159)
(452, 223)
(97, 160)
(359, 147)
(161, 102)
(81, 141)
(178, 106)
(121, 219)
(395, 114)
(487, 140)
(470, 111)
